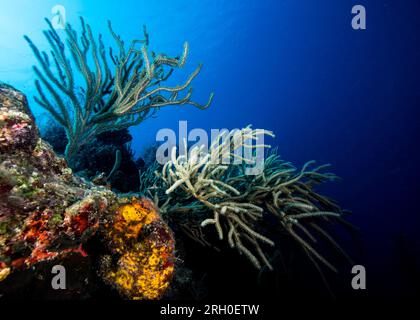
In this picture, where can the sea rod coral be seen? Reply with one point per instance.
(48, 216)
(120, 89)
(239, 205)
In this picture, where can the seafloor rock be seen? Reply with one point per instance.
(48, 214)
(144, 267)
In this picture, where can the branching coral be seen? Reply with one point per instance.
(240, 203)
(119, 91)
(149, 181)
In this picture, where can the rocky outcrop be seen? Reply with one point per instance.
(48, 215)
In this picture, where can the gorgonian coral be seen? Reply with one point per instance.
(243, 207)
(120, 89)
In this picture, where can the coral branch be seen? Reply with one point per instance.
(239, 204)
(107, 100)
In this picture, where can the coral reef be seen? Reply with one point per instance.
(48, 214)
(244, 208)
(93, 159)
(108, 100)
(62, 210)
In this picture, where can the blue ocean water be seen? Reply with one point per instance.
(330, 93)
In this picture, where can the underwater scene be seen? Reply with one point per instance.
(238, 153)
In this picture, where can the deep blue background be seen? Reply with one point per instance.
(330, 93)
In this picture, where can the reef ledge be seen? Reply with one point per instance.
(49, 216)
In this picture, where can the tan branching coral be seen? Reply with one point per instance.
(240, 203)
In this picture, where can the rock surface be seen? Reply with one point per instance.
(48, 215)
